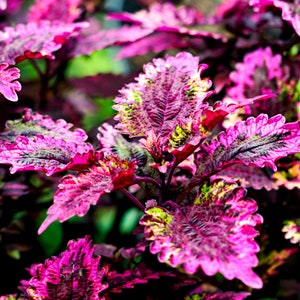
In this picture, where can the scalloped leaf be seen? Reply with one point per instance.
(257, 141)
(74, 274)
(36, 142)
(164, 101)
(215, 233)
(35, 40)
(226, 296)
(75, 194)
(8, 82)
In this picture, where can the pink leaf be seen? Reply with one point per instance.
(35, 40)
(67, 10)
(164, 102)
(257, 141)
(36, 142)
(8, 82)
(74, 274)
(215, 233)
(75, 194)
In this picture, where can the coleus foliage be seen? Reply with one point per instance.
(207, 223)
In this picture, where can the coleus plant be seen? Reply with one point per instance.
(163, 144)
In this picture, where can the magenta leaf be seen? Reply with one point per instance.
(164, 102)
(36, 142)
(35, 40)
(215, 233)
(67, 10)
(257, 141)
(74, 274)
(75, 194)
(8, 82)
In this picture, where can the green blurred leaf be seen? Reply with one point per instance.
(104, 219)
(103, 112)
(130, 220)
(98, 62)
(52, 237)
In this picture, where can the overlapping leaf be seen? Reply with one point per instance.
(75, 194)
(215, 233)
(34, 40)
(36, 142)
(8, 82)
(257, 141)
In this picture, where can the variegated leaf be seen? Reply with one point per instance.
(215, 233)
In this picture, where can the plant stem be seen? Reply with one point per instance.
(133, 199)
(146, 179)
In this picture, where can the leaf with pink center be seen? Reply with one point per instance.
(36, 142)
(8, 82)
(257, 141)
(74, 274)
(35, 40)
(67, 10)
(75, 194)
(216, 233)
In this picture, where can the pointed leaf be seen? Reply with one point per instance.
(34, 40)
(8, 82)
(257, 141)
(36, 142)
(215, 233)
(75, 194)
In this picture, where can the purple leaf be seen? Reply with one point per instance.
(35, 40)
(8, 82)
(75, 194)
(164, 102)
(215, 233)
(74, 274)
(257, 141)
(67, 10)
(36, 142)
(127, 280)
